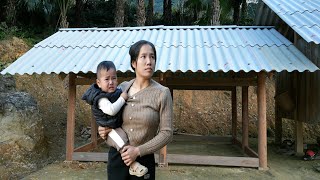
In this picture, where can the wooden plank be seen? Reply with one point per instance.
(213, 160)
(90, 156)
(180, 159)
(198, 138)
(85, 81)
(188, 87)
(262, 121)
(89, 81)
(71, 117)
(86, 147)
(245, 119)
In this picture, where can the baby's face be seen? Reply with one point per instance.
(107, 80)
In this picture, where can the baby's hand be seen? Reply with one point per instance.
(124, 95)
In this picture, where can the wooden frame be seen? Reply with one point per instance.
(258, 160)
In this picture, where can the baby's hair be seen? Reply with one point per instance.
(105, 65)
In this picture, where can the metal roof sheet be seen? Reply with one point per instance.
(301, 15)
(187, 48)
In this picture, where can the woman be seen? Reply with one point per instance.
(147, 117)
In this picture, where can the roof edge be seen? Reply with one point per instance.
(168, 27)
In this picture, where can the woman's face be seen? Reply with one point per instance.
(145, 64)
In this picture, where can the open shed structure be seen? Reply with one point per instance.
(188, 57)
(298, 21)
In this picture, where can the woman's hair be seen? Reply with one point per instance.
(105, 65)
(135, 50)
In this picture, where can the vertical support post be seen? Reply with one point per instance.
(163, 151)
(299, 137)
(298, 133)
(262, 121)
(163, 157)
(234, 114)
(278, 126)
(245, 122)
(71, 116)
(94, 130)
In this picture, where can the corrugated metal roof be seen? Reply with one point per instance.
(187, 48)
(301, 15)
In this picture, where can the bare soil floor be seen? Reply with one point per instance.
(282, 165)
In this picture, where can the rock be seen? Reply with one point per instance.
(7, 83)
(21, 133)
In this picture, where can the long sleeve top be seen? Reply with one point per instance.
(147, 117)
(111, 108)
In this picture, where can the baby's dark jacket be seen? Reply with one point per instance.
(92, 96)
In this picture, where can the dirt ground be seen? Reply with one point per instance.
(281, 166)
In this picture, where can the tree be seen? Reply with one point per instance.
(141, 15)
(244, 10)
(236, 11)
(149, 20)
(11, 12)
(119, 14)
(194, 8)
(215, 12)
(167, 12)
(78, 13)
(64, 5)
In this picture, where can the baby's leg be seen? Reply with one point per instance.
(137, 169)
(117, 138)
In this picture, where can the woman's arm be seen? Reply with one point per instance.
(165, 133)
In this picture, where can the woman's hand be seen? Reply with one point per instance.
(103, 132)
(129, 154)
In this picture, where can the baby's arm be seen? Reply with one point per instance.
(111, 108)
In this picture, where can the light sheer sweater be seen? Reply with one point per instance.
(147, 117)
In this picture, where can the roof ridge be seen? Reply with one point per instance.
(167, 27)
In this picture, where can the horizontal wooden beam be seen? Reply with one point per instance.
(88, 147)
(180, 159)
(213, 160)
(89, 81)
(195, 138)
(90, 156)
(213, 82)
(215, 88)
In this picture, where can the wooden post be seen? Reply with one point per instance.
(298, 133)
(163, 151)
(94, 130)
(234, 114)
(262, 121)
(245, 123)
(278, 126)
(299, 137)
(71, 116)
